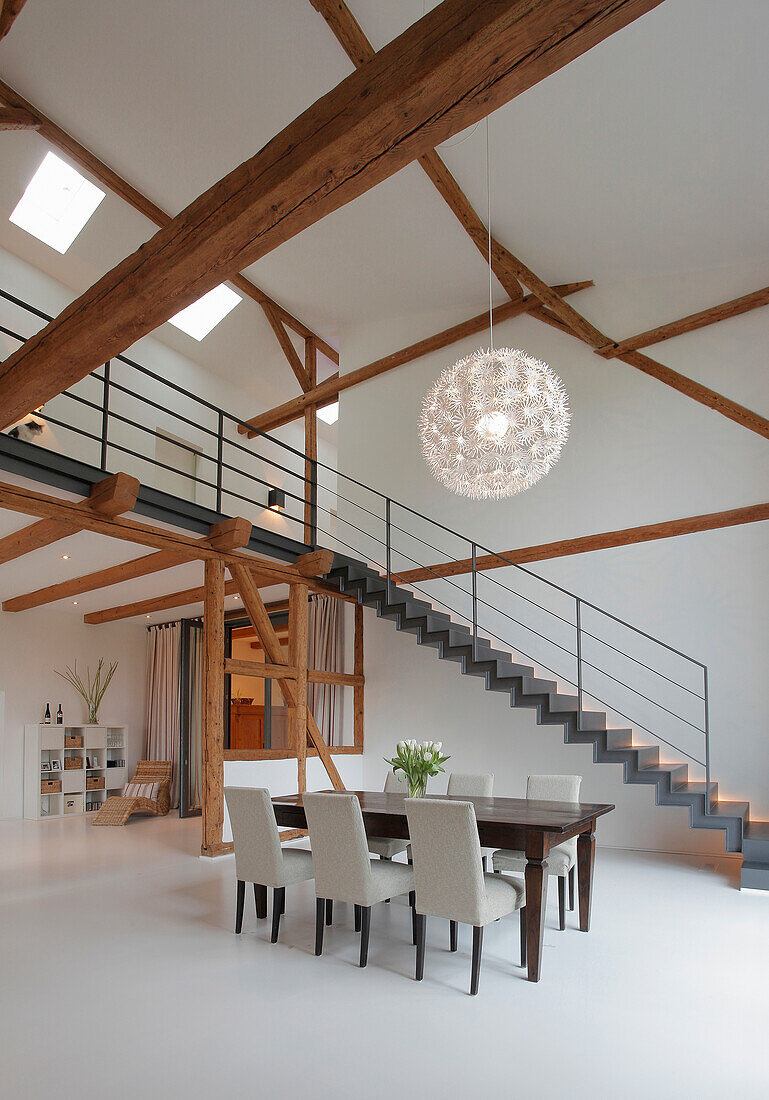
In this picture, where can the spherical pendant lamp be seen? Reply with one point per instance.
(494, 423)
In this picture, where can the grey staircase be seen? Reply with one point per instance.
(500, 671)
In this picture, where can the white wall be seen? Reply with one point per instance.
(638, 453)
(32, 645)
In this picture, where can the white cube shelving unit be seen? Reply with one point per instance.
(80, 789)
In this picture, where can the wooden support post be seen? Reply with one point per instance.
(298, 626)
(357, 696)
(213, 709)
(310, 443)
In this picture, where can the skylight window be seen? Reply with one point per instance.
(198, 319)
(329, 413)
(57, 203)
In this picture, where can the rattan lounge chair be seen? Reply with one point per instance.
(118, 809)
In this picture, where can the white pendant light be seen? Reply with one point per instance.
(494, 423)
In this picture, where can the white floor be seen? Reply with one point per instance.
(121, 975)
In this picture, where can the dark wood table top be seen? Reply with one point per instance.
(524, 813)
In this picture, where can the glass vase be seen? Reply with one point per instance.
(417, 787)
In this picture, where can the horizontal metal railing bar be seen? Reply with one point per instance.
(157, 462)
(161, 408)
(640, 694)
(638, 661)
(82, 400)
(72, 428)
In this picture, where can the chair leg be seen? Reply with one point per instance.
(562, 902)
(320, 907)
(453, 931)
(413, 904)
(387, 900)
(571, 889)
(357, 918)
(365, 927)
(421, 937)
(329, 911)
(278, 907)
(477, 950)
(240, 899)
(523, 935)
(260, 900)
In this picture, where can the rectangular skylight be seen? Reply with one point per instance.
(329, 413)
(57, 203)
(198, 319)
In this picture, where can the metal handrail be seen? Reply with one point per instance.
(310, 488)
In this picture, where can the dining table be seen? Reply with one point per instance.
(525, 825)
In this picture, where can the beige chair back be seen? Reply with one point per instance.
(339, 847)
(258, 855)
(448, 872)
(556, 788)
(395, 784)
(470, 786)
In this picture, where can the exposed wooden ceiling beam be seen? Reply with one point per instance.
(16, 118)
(110, 179)
(694, 321)
(586, 544)
(353, 41)
(454, 66)
(149, 606)
(330, 389)
(746, 418)
(9, 9)
(288, 349)
(228, 535)
(109, 497)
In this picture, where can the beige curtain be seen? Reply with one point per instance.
(326, 652)
(196, 718)
(161, 731)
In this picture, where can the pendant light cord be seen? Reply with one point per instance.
(488, 222)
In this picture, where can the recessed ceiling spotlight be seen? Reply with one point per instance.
(65, 557)
(74, 603)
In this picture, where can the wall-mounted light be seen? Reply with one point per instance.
(276, 500)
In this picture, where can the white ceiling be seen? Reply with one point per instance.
(644, 157)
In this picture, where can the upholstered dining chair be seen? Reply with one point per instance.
(563, 858)
(259, 857)
(385, 846)
(344, 870)
(449, 878)
(472, 786)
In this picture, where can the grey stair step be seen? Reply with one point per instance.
(687, 793)
(619, 739)
(532, 685)
(754, 875)
(756, 841)
(592, 720)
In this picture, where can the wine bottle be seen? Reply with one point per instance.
(47, 718)
(59, 716)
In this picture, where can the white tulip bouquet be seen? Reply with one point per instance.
(418, 762)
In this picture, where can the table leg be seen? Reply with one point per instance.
(585, 863)
(536, 898)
